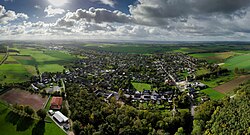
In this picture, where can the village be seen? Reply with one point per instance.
(108, 74)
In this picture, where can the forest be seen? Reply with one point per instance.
(227, 116)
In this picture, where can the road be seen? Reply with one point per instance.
(5, 56)
(192, 107)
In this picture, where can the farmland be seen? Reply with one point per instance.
(240, 61)
(214, 57)
(231, 85)
(17, 96)
(22, 61)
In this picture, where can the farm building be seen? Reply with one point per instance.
(56, 103)
(60, 117)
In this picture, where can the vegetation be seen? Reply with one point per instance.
(93, 116)
(14, 123)
(227, 116)
(141, 86)
(241, 62)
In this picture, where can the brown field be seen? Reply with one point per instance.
(17, 57)
(231, 85)
(21, 97)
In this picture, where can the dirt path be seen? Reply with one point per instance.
(231, 85)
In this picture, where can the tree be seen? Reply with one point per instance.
(180, 131)
(28, 110)
(77, 127)
(41, 113)
(236, 70)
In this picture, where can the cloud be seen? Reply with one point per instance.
(37, 7)
(110, 3)
(51, 12)
(159, 12)
(98, 15)
(7, 16)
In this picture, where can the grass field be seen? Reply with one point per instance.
(47, 60)
(1, 56)
(12, 73)
(202, 71)
(8, 128)
(213, 94)
(241, 61)
(214, 57)
(141, 86)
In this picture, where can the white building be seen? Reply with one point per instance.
(60, 117)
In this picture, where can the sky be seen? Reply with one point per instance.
(114, 20)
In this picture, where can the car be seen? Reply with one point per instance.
(66, 126)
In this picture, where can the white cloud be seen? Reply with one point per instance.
(51, 12)
(111, 3)
(7, 16)
(37, 7)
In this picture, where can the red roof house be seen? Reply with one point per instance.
(56, 103)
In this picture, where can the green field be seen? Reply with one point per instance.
(19, 67)
(241, 61)
(214, 57)
(11, 73)
(213, 94)
(1, 56)
(47, 60)
(141, 86)
(9, 124)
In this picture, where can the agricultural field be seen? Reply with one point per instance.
(21, 97)
(213, 83)
(19, 67)
(213, 94)
(214, 57)
(12, 124)
(141, 86)
(231, 85)
(12, 73)
(240, 61)
(1, 56)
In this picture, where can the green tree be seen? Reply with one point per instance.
(41, 113)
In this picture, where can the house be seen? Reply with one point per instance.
(56, 103)
(60, 117)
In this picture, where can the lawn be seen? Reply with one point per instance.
(213, 94)
(241, 61)
(141, 86)
(9, 124)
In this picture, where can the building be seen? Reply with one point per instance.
(56, 103)
(59, 117)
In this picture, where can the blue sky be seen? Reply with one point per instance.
(162, 20)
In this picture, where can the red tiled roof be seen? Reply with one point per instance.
(56, 103)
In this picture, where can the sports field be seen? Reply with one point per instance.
(22, 97)
(141, 86)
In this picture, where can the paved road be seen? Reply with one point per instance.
(5, 56)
